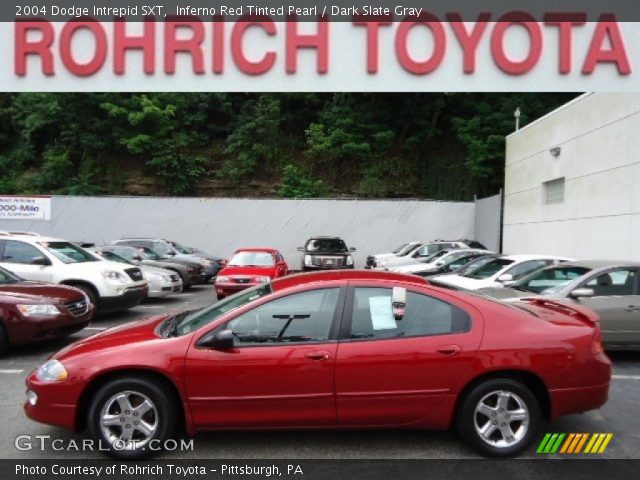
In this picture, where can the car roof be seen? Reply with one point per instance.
(320, 237)
(257, 249)
(30, 238)
(594, 264)
(344, 275)
(523, 258)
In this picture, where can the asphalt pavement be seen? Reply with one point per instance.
(619, 416)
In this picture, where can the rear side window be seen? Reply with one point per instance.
(615, 283)
(372, 316)
(525, 268)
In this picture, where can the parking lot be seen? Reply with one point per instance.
(618, 416)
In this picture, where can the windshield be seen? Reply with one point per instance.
(409, 249)
(181, 248)
(431, 258)
(196, 319)
(112, 257)
(459, 259)
(400, 248)
(475, 264)
(489, 269)
(68, 252)
(7, 277)
(252, 259)
(550, 281)
(330, 245)
(147, 254)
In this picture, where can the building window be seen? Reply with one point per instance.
(554, 191)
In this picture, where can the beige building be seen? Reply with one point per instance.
(572, 181)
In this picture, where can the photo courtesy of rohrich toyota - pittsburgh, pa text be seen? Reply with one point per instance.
(311, 239)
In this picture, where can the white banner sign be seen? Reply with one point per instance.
(25, 208)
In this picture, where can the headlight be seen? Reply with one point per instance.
(222, 279)
(191, 270)
(308, 260)
(165, 279)
(51, 371)
(38, 310)
(205, 261)
(349, 260)
(114, 275)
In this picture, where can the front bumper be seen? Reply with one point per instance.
(53, 406)
(131, 297)
(159, 290)
(226, 289)
(315, 268)
(37, 329)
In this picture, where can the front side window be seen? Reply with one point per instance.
(252, 259)
(550, 280)
(615, 283)
(191, 321)
(162, 249)
(489, 269)
(372, 316)
(68, 252)
(301, 317)
(113, 257)
(20, 252)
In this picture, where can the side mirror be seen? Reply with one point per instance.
(171, 254)
(399, 302)
(506, 278)
(220, 340)
(582, 293)
(136, 258)
(301, 249)
(43, 261)
(352, 249)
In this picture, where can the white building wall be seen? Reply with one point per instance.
(599, 137)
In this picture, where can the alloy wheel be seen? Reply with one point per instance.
(128, 420)
(501, 418)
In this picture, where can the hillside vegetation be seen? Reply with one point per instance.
(425, 145)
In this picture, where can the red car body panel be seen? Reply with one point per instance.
(411, 382)
(249, 274)
(21, 329)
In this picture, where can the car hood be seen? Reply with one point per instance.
(36, 292)
(415, 267)
(249, 271)
(156, 270)
(137, 332)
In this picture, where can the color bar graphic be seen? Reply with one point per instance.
(573, 443)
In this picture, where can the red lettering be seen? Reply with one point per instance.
(423, 67)
(252, 67)
(506, 64)
(607, 28)
(296, 41)
(565, 23)
(41, 47)
(191, 45)
(469, 40)
(145, 42)
(66, 51)
(373, 28)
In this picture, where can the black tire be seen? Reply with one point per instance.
(4, 341)
(468, 421)
(162, 418)
(91, 294)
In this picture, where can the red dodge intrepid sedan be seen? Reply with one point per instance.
(249, 267)
(337, 349)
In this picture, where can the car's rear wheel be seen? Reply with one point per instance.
(131, 418)
(499, 417)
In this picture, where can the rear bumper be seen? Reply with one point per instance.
(567, 401)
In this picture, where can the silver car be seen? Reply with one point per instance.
(162, 282)
(609, 288)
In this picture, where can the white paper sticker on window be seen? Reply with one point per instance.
(381, 313)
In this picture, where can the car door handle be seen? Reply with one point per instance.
(632, 308)
(318, 356)
(449, 349)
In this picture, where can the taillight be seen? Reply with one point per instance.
(596, 347)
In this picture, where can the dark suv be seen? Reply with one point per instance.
(325, 253)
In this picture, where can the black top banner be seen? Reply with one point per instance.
(311, 10)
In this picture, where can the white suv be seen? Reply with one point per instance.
(110, 286)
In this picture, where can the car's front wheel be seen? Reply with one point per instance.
(131, 418)
(499, 417)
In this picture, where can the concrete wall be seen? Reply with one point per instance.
(599, 138)
(488, 222)
(219, 226)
